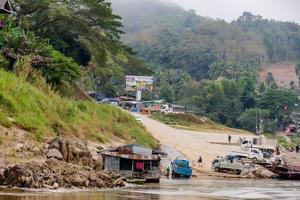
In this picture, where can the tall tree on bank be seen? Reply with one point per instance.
(86, 30)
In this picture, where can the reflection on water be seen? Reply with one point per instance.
(202, 188)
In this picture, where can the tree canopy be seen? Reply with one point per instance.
(80, 39)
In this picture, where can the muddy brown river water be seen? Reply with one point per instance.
(202, 188)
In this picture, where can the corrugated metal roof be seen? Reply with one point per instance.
(5, 6)
(131, 151)
(131, 156)
(2, 2)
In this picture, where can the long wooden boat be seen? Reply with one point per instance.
(289, 175)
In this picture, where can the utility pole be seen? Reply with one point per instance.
(259, 127)
(193, 105)
(261, 124)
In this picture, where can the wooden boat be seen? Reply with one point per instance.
(289, 175)
(285, 173)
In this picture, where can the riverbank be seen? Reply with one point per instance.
(201, 188)
(59, 163)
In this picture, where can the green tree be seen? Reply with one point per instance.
(174, 79)
(167, 93)
(280, 104)
(270, 81)
(250, 118)
(262, 88)
(19, 46)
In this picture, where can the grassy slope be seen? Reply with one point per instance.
(45, 114)
(192, 122)
(284, 141)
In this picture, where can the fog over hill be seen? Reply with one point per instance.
(167, 36)
(283, 10)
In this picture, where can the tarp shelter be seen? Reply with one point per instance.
(5, 7)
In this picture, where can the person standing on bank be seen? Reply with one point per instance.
(200, 160)
(229, 138)
(168, 172)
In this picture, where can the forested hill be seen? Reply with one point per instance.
(166, 36)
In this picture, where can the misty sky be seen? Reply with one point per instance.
(284, 10)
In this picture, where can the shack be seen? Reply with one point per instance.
(5, 7)
(5, 10)
(133, 161)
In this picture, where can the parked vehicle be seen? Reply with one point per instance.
(166, 109)
(181, 168)
(230, 163)
(251, 153)
(172, 108)
(246, 143)
(138, 118)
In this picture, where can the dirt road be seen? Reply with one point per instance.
(192, 143)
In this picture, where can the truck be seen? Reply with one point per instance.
(232, 163)
(172, 108)
(181, 168)
(251, 153)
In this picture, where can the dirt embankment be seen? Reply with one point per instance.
(283, 73)
(54, 174)
(67, 164)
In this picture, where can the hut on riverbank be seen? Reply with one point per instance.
(5, 10)
(133, 161)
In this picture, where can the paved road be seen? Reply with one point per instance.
(192, 143)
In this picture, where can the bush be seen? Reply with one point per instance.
(25, 49)
(249, 118)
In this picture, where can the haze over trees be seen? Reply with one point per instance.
(207, 64)
(222, 60)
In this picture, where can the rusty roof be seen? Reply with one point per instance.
(131, 156)
(5, 7)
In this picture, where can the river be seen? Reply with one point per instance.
(200, 188)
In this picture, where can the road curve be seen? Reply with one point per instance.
(192, 143)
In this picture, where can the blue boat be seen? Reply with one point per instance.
(181, 168)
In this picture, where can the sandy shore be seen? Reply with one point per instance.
(193, 143)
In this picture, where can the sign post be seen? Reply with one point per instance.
(138, 95)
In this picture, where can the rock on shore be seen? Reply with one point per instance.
(68, 164)
(54, 174)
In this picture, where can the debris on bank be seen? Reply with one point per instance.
(54, 174)
(260, 162)
(68, 164)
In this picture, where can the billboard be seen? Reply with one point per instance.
(139, 83)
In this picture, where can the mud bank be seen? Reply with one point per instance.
(54, 174)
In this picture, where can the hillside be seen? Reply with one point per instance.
(166, 36)
(43, 114)
(213, 67)
(283, 74)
